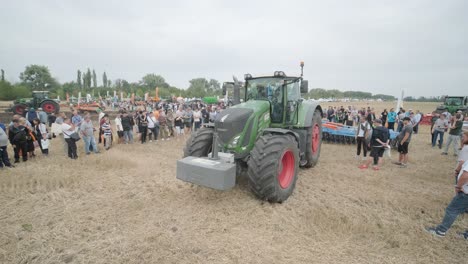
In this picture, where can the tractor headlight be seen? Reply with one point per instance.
(247, 76)
(234, 141)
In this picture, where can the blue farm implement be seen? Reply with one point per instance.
(340, 134)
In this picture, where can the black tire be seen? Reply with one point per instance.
(272, 156)
(312, 156)
(50, 106)
(199, 144)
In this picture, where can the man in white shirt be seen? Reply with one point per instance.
(362, 133)
(68, 128)
(416, 120)
(119, 128)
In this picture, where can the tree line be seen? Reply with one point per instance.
(38, 77)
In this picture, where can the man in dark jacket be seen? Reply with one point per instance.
(17, 136)
(379, 142)
(127, 125)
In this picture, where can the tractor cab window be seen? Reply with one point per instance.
(268, 89)
(454, 101)
(294, 92)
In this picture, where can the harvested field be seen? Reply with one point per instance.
(126, 206)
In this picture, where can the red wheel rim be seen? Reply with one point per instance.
(48, 107)
(286, 174)
(19, 109)
(315, 138)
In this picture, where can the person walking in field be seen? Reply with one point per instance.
(4, 159)
(457, 206)
(87, 132)
(362, 134)
(163, 125)
(40, 132)
(404, 139)
(153, 127)
(119, 128)
(142, 126)
(68, 128)
(454, 136)
(107, 132)
(127, 125)
(17, 136)
(438, 130)
(379, 142)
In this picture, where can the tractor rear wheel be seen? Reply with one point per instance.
(50, 106)
(273, 167)
(19, 109)
(314, 141)
(200, 143)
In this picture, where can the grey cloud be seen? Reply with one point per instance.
(375, 46)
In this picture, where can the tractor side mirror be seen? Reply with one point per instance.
(304, 86)
(224, 88)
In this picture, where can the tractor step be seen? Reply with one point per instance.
(216, 174)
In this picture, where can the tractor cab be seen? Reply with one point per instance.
(454, 101)
(282, 92)
(39, 96)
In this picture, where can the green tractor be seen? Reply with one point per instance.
(40, 99)
(452, 104)
(270, 135)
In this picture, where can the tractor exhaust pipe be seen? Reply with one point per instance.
(214, 155)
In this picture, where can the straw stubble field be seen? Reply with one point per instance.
(126, 206)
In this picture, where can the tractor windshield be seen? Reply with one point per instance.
(455, 101)
(268, 89)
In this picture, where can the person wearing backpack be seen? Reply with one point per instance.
(362, 134)
(17, 136)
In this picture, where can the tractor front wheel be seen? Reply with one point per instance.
(273, 167)
(314, 141)
(19, 109)
(50, 106)
(200, 143)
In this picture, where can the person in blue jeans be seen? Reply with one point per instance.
(457, 206)
(87, 132)
(438, 130)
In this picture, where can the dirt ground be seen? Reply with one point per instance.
(125, 205)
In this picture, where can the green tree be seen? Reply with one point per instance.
(198, 87)
(78, 79)
(94, 79)
(214, 88)
(151, 81)
(104, 80)
(88, 78)
(12, 92)
(3, 76)
(83, 76)
(38, 77)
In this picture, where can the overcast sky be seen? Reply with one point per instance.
(374, 46)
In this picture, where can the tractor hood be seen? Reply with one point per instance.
(234, 125)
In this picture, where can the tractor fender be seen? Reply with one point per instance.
(306, 113)
(282, 131)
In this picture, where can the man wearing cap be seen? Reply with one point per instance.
(42, 116)
(404, 139)
(379, 141)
